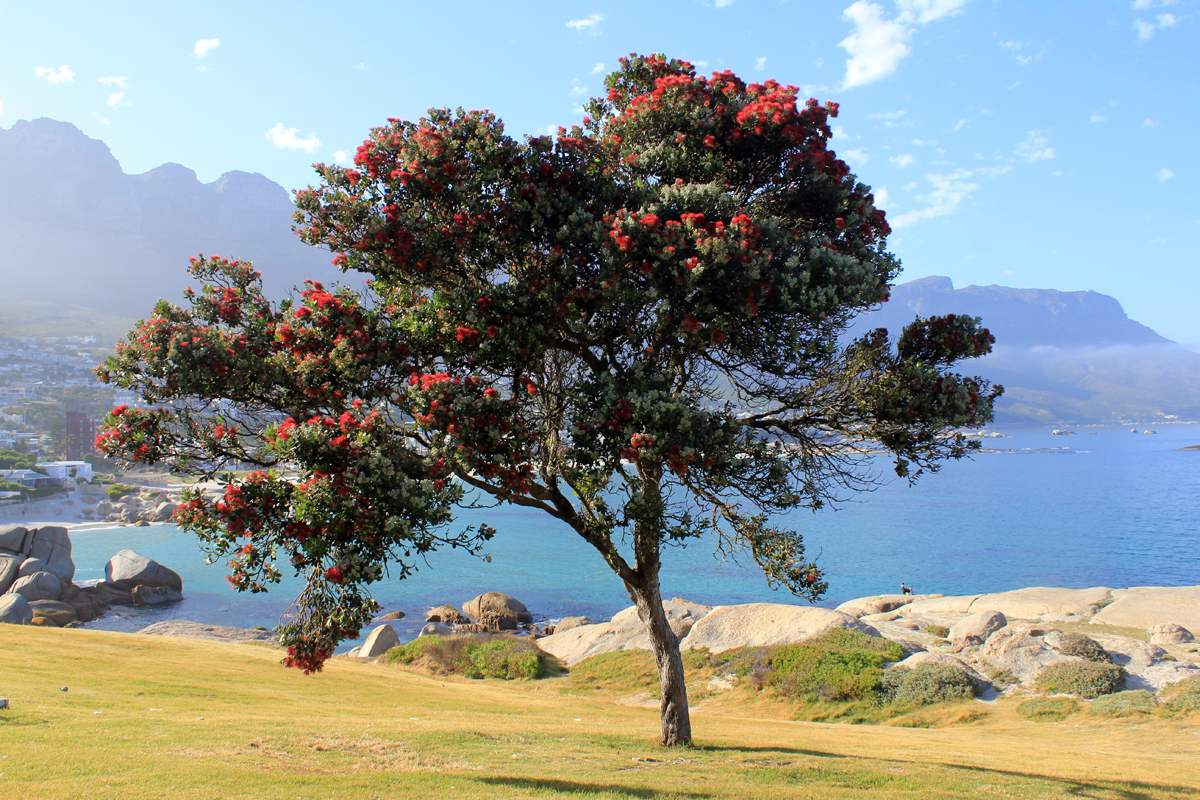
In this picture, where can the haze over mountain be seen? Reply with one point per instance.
(76, 230)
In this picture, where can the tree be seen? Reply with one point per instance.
(632, 327)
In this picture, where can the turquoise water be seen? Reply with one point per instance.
(1109, 509)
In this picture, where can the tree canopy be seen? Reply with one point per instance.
(634, 326)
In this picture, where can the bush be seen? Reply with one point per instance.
(1047, 709)
(1086, 679)
(938, 630)
(840, 665)
(1182, 697)
(1123, 704)
(472, 656)
(928, 684)
(119, 490)
(1076, 644)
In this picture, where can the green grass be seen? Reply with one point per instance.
(194, 719)
(473, 657)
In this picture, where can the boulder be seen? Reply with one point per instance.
(761, 624)
(497, 603)
(215, 633)
(567, 623)
(13, 539)
(1016, 650)
(1132, 654)
(10, 569)
(1037, 601)
(52, 544)
(1145, 607)
(89, 499)
(30, 566)
(1170, 633)
(940, 605)
(879, 604)
(435, 629)
(143, 595)
(976, 628)
(390, 616)
(15, 610)
(165, 511)
(128, 569)
(489, 622)
(449, 615)
(104, 508)
(1161, 675)
(624, 631)
(59, 613)
(38, 586)
(379, 641)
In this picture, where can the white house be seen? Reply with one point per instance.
(62, 470)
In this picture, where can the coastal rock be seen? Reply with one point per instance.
(1016, 650)
(976, 628)
(1037, 601)
(104, 508)
(10, 569)
(128, 569)
(497, 603)
(435, 629)
(879, 604)
(1146, 606)
(165, 511)
(143, 595)
(379, 641)
(1135, 656)
(447, 614)
(489, 622)
(567, 623)
(54, 611)
(1161, 675)
(940, 605)
(625, 631)
(760, 624)
(1170, 633)
(52, 544)
(30, 566)
(13, 538)
(38, 586)
(216, 633)
(15, 610)
(390, 616)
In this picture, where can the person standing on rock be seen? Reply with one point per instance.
(905, 589)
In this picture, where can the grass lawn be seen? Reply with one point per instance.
(148, 717)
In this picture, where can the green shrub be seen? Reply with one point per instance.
(1123, 704)
(472, 656)
(938, 630)
(1076, 644)
(840, 665)
(119, 490)
(928, 684)
(1000, 678)
(1047, 709)
(1086, 679)
(1182, 697)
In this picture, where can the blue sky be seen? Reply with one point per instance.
(1047, 144)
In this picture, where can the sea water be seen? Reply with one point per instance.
(1102, 507)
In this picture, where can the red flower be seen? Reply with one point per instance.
(333, 575)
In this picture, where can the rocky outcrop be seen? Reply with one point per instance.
(215, 633)
(1170, 633)
(1145, 607)
(760, 624)
(1016, 649)
(567, 623)
(976, 628)
(625, 631)
(128, 569)
(880, 604)
(500, 604)
(1035, 603)
(447, 614)
(379, 641)
(15, 610)
(38, 586)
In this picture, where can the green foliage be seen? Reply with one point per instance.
(937, 630)
(1086, 679)
(1077, 644)
(1123, 704)
(118, 490)
(840, 665)
(11, 459)
(1182, 697)
(1000, 678)
(473, 656)
(1047, 709)
(928, 684)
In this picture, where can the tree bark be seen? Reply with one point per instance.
(676, 723)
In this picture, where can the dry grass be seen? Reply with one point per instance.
(195, 719)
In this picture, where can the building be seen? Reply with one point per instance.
(81, 432)
(27, 478)
(60, 471)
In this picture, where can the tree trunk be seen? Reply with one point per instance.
(673, 709)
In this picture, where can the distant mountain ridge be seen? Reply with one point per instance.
(69, 213)
(76, 230)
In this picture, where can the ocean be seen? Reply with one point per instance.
(1103, 507)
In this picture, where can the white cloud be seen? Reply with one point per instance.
(901, 161)
(876, 47)
(1097, 118)
(958, 126)
(590, 24)
(341, 157)
(1166, 20)
(923, 11)
(1145, 30)
(856, 158)
(120, 83)
(1016, 49)
(577, 90)
(286, 138)
(887, 114)
(1150, 123)
(598, 69)
(700, 64)
(881, 197)
(760, 63)
(1143, 4)
(117, 99)
(839, 133)
(1034, 148)
(949, 192)
(723, 3)
(1164, 175)
(100, 119)
(61, 75)
(361, 65)
(204, 45)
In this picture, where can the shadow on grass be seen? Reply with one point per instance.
(556, 785)
(1088, 787)
(791, 751)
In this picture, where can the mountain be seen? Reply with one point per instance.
(75, 229)
(1062, 357)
